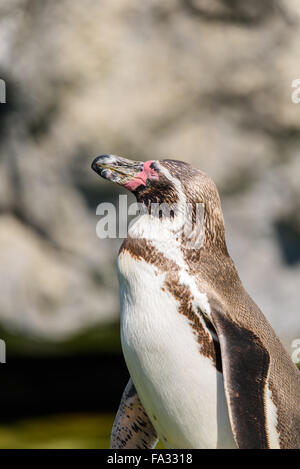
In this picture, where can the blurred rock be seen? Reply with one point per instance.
(208, 82)
(45, 292)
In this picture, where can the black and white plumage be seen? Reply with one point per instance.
(208, 369)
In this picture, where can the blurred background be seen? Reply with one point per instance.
(205, 81)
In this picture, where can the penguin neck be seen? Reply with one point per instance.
(180, 228)
(214, 229)
(160, 224)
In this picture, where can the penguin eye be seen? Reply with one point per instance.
(154, 166)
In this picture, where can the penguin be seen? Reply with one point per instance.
(206, 368)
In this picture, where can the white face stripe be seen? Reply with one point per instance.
(180, 217)
(175, 181)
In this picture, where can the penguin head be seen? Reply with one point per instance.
(163, 181)
(128, 173)
(149, 181)
(167, 182)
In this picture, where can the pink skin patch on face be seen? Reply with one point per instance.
(142, 176)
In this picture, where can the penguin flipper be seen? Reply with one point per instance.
(132, 428)
(245, 363)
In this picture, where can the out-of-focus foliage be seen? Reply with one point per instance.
(58, 432)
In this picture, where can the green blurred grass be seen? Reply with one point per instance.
(68, 431)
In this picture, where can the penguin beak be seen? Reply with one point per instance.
(127, 173)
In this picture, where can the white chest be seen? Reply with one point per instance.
(181, 390)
